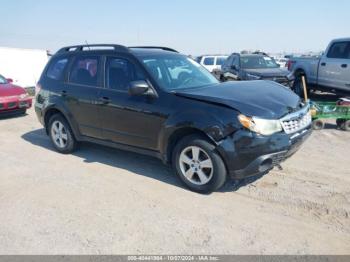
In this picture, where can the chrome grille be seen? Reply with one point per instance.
(296, 121)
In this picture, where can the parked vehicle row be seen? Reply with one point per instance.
(158, 102)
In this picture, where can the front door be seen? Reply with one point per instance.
(126, 119)
(334, 67)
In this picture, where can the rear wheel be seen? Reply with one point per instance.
(198, 165)
(61, 134)
(298, 87)
(346, 125)
(318, 124)
(340, 123)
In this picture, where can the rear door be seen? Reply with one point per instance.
(334, 67)
(81, 93)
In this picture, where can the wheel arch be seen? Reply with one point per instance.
(179, 134)
(52, 110)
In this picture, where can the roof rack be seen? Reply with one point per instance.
(75, 48)
(156, 47)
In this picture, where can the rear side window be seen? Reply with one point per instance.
(208, 61)
(339, 50)
(220, 60)
(57, 68)
(120, 72)
(85, 71)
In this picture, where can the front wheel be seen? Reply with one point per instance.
(61, 134)
(198, 165)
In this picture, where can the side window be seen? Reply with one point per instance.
(235, 61)
(228, 61)
(56, 69)
(85, 71)
(120, 72)
(338, 50)
(208, 61)
(220, 60)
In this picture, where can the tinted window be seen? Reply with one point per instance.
(120, 72)
(220, 60)
(84, 71)
(208, 61)
(56, 69)
(339, 50)
(228, 61)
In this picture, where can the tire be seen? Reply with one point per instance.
(346, 125)
(61, 134)
(222, 78)
(201, 179)
(340, 123)
(317, 124)
(298, 84)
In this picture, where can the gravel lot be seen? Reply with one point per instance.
(105, 201)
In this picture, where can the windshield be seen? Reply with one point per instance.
(3, 80)
(177, 72)
(255, 62)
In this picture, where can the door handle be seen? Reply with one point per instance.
(323, 64)
(63, 93)
(344, 65)
(105, 100)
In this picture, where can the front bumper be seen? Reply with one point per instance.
(14, 104)
(248, 154)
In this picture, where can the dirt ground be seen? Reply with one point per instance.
(105, 201)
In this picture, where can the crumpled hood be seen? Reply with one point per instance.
(264, 99)
(268, 72)
(10, 90)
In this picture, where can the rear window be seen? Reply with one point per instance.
(208, 61)
(57, 68)
(339, 50)
(85, 71)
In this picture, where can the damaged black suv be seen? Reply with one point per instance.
(155, 101)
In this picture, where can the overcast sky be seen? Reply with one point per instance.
(191, 26)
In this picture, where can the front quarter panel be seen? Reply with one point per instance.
(215, 121)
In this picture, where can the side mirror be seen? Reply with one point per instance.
(9, 80)
(140, 88)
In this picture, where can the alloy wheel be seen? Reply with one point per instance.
(196, 165)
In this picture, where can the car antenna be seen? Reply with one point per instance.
(86, 42)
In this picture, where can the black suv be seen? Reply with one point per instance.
(256, 66)
(155, 101)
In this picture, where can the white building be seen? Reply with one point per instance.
(24, 66)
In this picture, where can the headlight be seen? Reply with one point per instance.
(23, 96)
(252, 77)
(262, 126)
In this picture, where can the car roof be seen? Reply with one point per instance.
(113, 48)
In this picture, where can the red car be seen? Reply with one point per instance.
(13, 99)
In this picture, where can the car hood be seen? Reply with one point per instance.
(10, 90)
(268, 72)
(263, 99)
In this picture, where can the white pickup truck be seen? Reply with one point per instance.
(330, 72)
